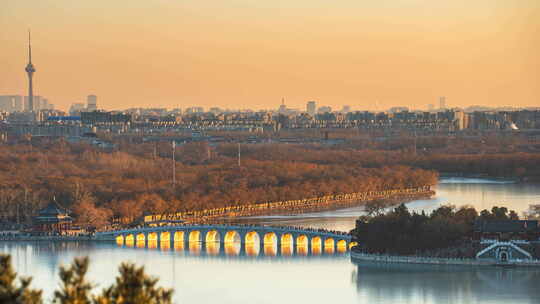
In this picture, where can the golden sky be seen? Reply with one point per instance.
(251, 53)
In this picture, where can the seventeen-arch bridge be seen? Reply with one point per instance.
(285, 240)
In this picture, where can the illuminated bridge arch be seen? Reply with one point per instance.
(252, 241)
(140, 240)
(287, 239)
(270, 244)
(270, 238)
(130, 240)
(195, 236)
(152, 236)
(212, 236)
(140, 237)
(316, 245)
(179, 236)
(341, 246)
(120, 240)
(232, 236)
(212, 242)
(152, 240)
(252, 237)
(274, 240)
(165, 236)
(302, 245)
(329, 245)
(287, 244)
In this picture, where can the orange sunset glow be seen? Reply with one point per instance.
(249, 54)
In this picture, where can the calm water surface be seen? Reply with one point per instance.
(201, 277)
(458, 191)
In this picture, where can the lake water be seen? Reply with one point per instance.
(458, 191)
(200, 275)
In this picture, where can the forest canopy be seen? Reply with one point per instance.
(137, 177)
(402, 232)
(137, 180)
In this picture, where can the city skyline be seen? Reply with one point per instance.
(238, 61)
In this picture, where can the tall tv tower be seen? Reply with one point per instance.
(30, 71)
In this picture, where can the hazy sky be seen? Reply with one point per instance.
(251, 53)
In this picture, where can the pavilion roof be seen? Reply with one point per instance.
(53, 209)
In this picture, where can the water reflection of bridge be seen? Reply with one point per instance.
(233, 239)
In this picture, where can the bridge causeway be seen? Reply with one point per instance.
(247, 235)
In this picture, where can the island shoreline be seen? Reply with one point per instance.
(397, 259)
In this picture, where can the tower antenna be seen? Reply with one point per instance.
(29, 46)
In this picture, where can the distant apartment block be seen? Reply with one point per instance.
(325, 109)
(311, 108)
(97, 117)
(36, 103)
(91, 103)
(11, 103)
(193, 110)
(398, 109)
(442, 103)
(76, 109)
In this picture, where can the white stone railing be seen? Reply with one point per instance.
(492, 241)
(382, 258)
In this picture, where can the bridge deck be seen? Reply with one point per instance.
(223, 229)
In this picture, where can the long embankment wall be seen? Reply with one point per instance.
(298, 206)
(46, 238)
(382, 258)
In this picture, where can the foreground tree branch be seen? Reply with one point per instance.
(133, 286)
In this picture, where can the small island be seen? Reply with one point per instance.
(449, 235)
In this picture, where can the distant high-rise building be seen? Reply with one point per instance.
(193, 110)
(430, 107)
(91, 103)
(18, 104)
(76, 109)
(30, 70)
(442, 103)
(346, 109)
(282, 108)
(44, 104)
(11, 103)
(215, 110)
(460, 120)
(6, 103)
(311, 108)
(398, 109)
(33, 105)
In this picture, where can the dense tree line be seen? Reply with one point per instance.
(497, 155)
(132, 286)
(513, 165)
(446, 231)
(137, 180)
(525, 166)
